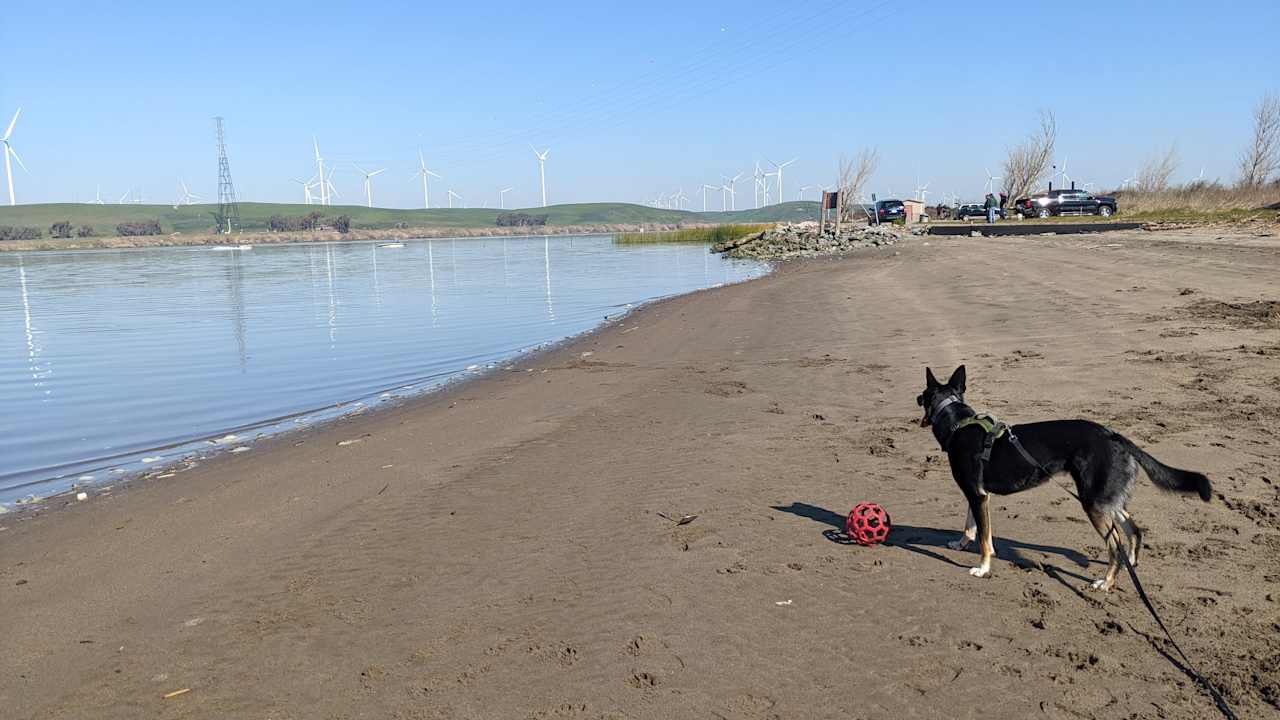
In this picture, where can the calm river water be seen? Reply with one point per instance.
(118, 362)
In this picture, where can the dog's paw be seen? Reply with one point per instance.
(958, 544)
(979, 571)
(1102, 585)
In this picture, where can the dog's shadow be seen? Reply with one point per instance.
(920, 539)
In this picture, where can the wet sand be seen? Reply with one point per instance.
(499, 550)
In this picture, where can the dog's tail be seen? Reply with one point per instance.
(1169, 478)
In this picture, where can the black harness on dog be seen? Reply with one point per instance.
(951, 415)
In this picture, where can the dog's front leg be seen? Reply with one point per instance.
(970, 532)
(983, 513)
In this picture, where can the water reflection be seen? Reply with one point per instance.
(39, 375)
(145, 360)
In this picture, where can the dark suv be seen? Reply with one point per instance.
(1066, 202)
(890, 210)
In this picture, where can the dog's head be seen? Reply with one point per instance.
(936, 392)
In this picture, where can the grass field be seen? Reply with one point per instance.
(254, 217)
(713, 234)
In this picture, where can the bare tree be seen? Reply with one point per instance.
(1261, 157)
(1157, 170)
(854, 175)
(1026, 164)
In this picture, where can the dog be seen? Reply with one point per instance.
(1103, 464)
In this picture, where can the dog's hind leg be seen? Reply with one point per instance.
(1133, 534)
(970, 532)
(983, 514)
(1104, 522)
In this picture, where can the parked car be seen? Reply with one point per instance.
(975, 210)
(891, 210)
(1066, 202)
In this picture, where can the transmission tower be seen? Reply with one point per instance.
(228, 215)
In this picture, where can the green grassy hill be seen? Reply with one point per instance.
(255, 216)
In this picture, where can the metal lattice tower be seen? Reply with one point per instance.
(228, 215)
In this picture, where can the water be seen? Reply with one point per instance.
(116, 362)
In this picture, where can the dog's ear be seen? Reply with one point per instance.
(929, 379)
(957, 380)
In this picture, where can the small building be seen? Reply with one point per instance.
(915, 210)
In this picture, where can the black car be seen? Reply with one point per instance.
(1066, 202)
(975, 210)
(891, 210)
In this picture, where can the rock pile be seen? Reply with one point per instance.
(803, 240)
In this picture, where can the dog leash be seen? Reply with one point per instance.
(1218, 700)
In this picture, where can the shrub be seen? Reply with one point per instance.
(151, 227)
(343, 224)
(519, 219)
(8, 232)
(84, 231)
(60, 229)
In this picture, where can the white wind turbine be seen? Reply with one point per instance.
(730, 184)
(453, 195)
(306, 188)
(329, 190)
(1066, 179)
(681, 199)
(423, 172)
(97, 197)
(10, 152)
(778, 171)
(922, 191)
(991, 180)
(502, 195)
(761, 183)
(542, 170)
(324, 179)
(705, 188)
(368, 183)
(185, 196)
(800, 193)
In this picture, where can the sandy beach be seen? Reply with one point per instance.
(503, 549)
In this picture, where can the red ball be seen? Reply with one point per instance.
(868, 524)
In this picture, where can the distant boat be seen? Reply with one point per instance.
(391, 245)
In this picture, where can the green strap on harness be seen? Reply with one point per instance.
(992, 430)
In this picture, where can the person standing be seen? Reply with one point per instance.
(1004, 200)
(990, 206)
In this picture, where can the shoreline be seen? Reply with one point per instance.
(321, 236)
(498, 549)
(370, 404)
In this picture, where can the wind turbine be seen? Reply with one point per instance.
(9, 151)
(761, 183)
(453, 195)
(329, 190)
(733, 195)
(778, 172)
(324, 179)
(922, 191)
(1066, 179)
(991, 180)
(185, 196)
(680, 199)
(423, 172)
(502, 194)
(306, 188)
(368, 183)
(705, 188)
(542, 170)
(800, 193)
(97, 197)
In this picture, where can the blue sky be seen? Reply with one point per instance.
(633, 99)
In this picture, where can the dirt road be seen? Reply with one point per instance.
(497, 551)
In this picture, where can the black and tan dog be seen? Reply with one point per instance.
(1103, 463)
